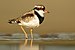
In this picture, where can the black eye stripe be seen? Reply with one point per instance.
(40, 8)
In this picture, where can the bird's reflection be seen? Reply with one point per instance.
(26, 42)
(31, 42)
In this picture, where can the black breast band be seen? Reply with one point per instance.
(39, 17)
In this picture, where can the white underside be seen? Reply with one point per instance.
(31, 24)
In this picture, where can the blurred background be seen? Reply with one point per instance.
(60, 19)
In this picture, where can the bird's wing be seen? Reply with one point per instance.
(28, 16)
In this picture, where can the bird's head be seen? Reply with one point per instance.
(40, 9)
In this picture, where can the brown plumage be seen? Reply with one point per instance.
(27, 17)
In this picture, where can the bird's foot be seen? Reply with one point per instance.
(26, 38)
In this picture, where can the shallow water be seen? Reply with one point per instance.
(58, 41)
(30, 44)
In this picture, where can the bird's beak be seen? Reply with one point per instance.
(46, 11)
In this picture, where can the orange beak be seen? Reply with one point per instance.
(46, 11)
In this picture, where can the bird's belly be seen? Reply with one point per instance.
(30, 24)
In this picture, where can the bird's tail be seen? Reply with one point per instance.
(14, 21)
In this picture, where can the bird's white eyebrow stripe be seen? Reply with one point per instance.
(38, 6)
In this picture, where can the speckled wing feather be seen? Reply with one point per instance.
(28, 16)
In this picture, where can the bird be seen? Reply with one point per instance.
(30, 19)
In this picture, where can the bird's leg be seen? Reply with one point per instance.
(24, 32)
(31, 33)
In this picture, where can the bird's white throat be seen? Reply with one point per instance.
(40, 12)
